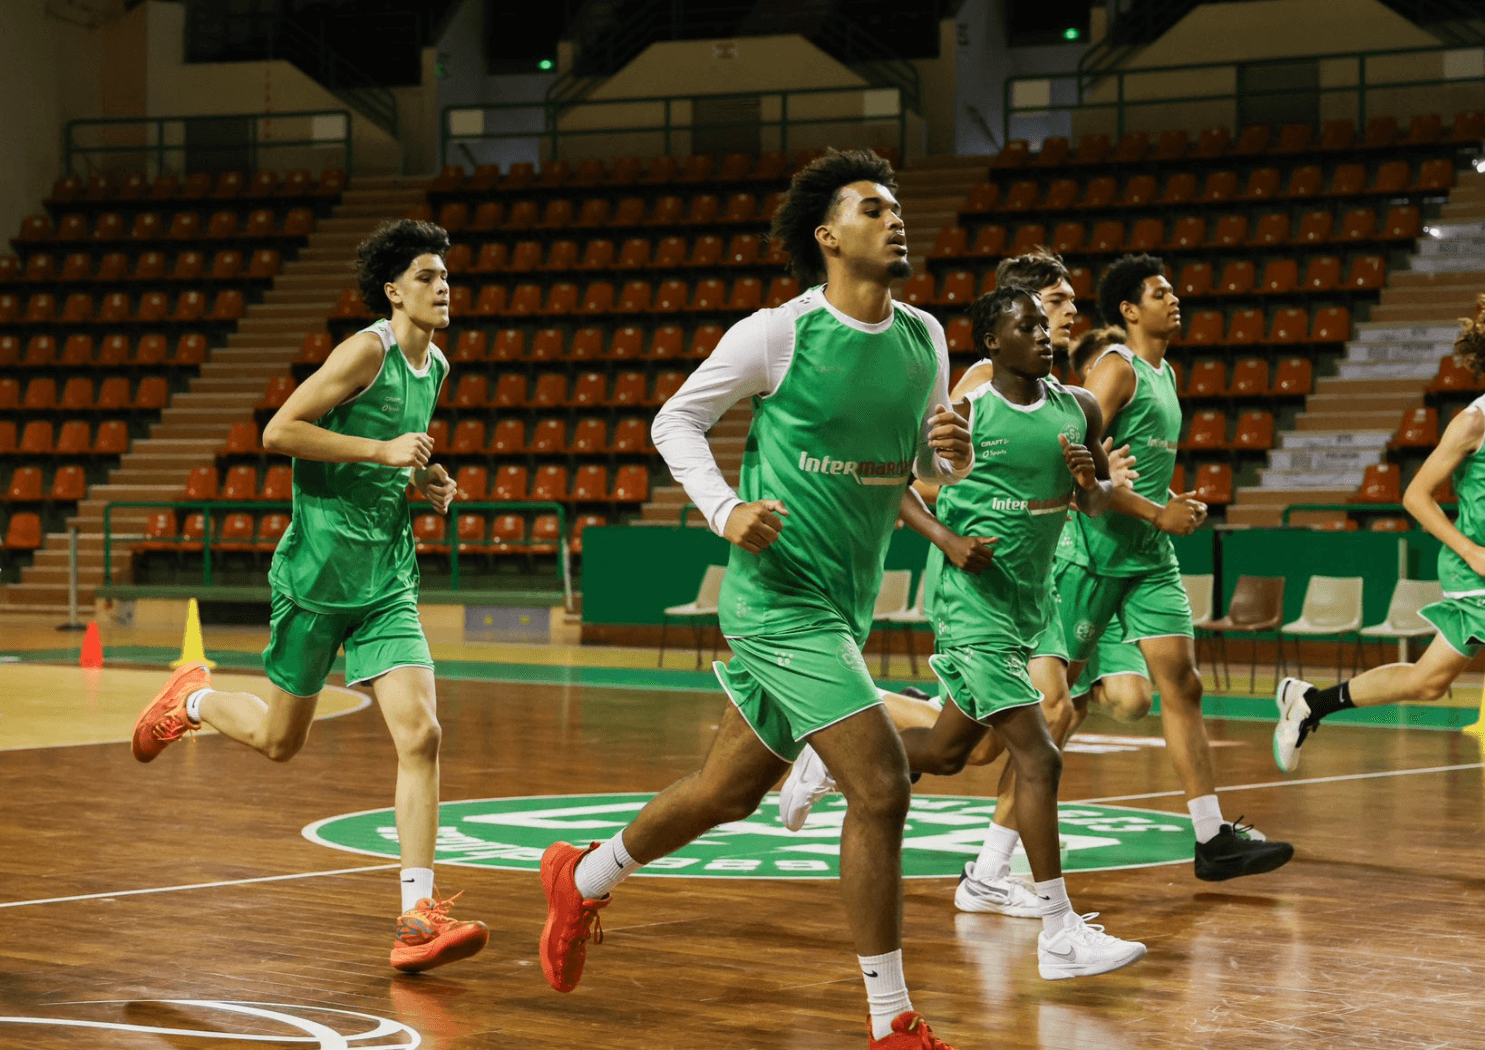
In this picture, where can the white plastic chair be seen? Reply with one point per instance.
(908, 619)
(1199, 594)
(1332, 607)
(892, 600)
(1403, 621)
(696, 611)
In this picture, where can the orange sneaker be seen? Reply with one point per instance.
(164, 721)
(427, 936)
(571, 920)
(909, 1032)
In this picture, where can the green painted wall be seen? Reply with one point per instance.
(630, 574)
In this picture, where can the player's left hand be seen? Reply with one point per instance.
(1079, 462)
(1120, 462)
(439, 488)
(948, 435)
(1201, 512)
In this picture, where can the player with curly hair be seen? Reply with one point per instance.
(850, 398)
(1459, 617)
(345, 571)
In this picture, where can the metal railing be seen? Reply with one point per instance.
(554, 124)
(162, 143)
(1128, 94)
(206, 508)
(1369, 508)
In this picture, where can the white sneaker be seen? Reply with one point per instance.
(1081, 950)
(808, 782)
(1291, 730)
(1001, 895)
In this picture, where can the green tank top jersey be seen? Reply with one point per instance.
(1117, 544)
(1019, 491)
(1455, 576)
(349, 544)
(835, 441)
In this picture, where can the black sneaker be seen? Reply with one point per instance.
(916, 694)
(1239, 850)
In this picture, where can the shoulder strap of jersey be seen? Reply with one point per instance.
(383, 330)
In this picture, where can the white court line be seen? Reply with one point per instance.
(199, 885)
(1072, 802)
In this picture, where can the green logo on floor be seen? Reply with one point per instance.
(942, 833)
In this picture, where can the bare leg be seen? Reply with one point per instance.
(737, 773)
(406, 697)
(1124, 697)
(1427, 680)
(276, 729)
(865, 755)
(944, 749)
(1038, 766)
(1063, 715)
(1172, 664)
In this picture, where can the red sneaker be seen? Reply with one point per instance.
(164, 721)
(909, 1032)
(571, 920)
(427, 936)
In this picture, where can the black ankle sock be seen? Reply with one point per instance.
(913, 778)
(1325, 702)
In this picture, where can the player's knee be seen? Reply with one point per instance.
(1059, 712)
(1041, 763)
(421, 740)
(883, 795)
(1126, 698)
(281, 749)
(1428, 686)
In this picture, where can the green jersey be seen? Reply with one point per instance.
(1150, 424)
(1455, 575)
(839, 424)
(350, 543)
(1019, 491)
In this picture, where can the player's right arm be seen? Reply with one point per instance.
(1461, 439)
(738, 368)
(1112, 381)
(351, 368)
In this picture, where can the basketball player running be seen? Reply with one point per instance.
(850, 394)
(1123, 565)
(345, 571)
(1460, 617)
(1037, 446)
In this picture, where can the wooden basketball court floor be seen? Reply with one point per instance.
(181, 904)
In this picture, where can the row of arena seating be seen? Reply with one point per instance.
(113, 351)
(1425, 133)
(152, 307)
(78, 394)
(1305, 183)
(73, 192)
(68, 484)
(226, 266)
(630, 212)
(770, 167)
(41, 439)
(151, 230)
(604, 254)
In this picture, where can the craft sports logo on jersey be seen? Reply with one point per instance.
(866, 472)
(942, 832)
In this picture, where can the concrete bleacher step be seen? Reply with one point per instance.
(1360, 420)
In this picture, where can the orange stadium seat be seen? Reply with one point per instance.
(1214, 484)
(1290, 325)
(509, 437)
(1367, 271)
(1208, 431)
(1107, 237)
(1419, 429)
(1237, 278)
(1208, 379)
(1250, 378)
(1255, 431)
(1315, 227)
(1246, 328)
(1380, 483)
(1332, 325)
(990, 241)
(1280, 277)
(1453, 377)
(1322, 273)
(1294, 377)
(1205, 329)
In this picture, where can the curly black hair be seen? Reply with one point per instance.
(1037, 269)
(986, 310)
(1124, 282)
(1470, 343)
(389, 251)
(812, 196)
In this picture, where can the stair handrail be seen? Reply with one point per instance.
(157, 145)
(1368, 508)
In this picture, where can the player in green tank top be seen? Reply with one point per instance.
(1123, 565)
(1459, 617)
(850, 395)
(345, 571)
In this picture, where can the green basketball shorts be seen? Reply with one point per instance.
(302, 643)
(982, 680)
(795, 683)
(1460, 621)
(1152, 605)
(1112, 656)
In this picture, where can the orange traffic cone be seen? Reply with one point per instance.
(92, 650)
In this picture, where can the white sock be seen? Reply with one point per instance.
(1206, 817)
(1059, 908)
(604, 868)
(193, 705)
(886, 990)
(995, 854)
(417, 883)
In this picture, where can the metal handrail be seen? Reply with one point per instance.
(159, 147)
(207, 507)
(1367, 507)
(552, 111)
(1121, 103)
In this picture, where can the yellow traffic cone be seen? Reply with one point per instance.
(192, 650)
(1478, 727)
